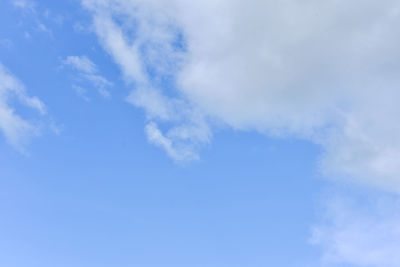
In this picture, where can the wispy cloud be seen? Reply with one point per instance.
(81, 92)
(81, 63)
(26, 5)
(180, 153)
(16, 130)
(34, 19)
(104, 93)
(360, 230)
(88, 70)
(147, 58)
(288, 69)
(43, 28)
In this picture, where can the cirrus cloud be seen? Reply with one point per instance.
(16, 129)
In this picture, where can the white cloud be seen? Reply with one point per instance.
(89, 71)
(325, 71)
(97, 80)
(16, 130)
(185, 125)
(362, 232)
(81, 63)
(177, 152)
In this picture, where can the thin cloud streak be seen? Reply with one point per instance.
(89, 72)
(17, 130)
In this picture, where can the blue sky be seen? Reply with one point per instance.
(152, 134)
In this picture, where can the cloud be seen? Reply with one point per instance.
(185, 128)
(16, 130)
(104, 93)
(24, 4)
(324, 71)
(81, 92)
(82, 64)
(363, 231)
(88, 71)
(178, 153)
(33, 18)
